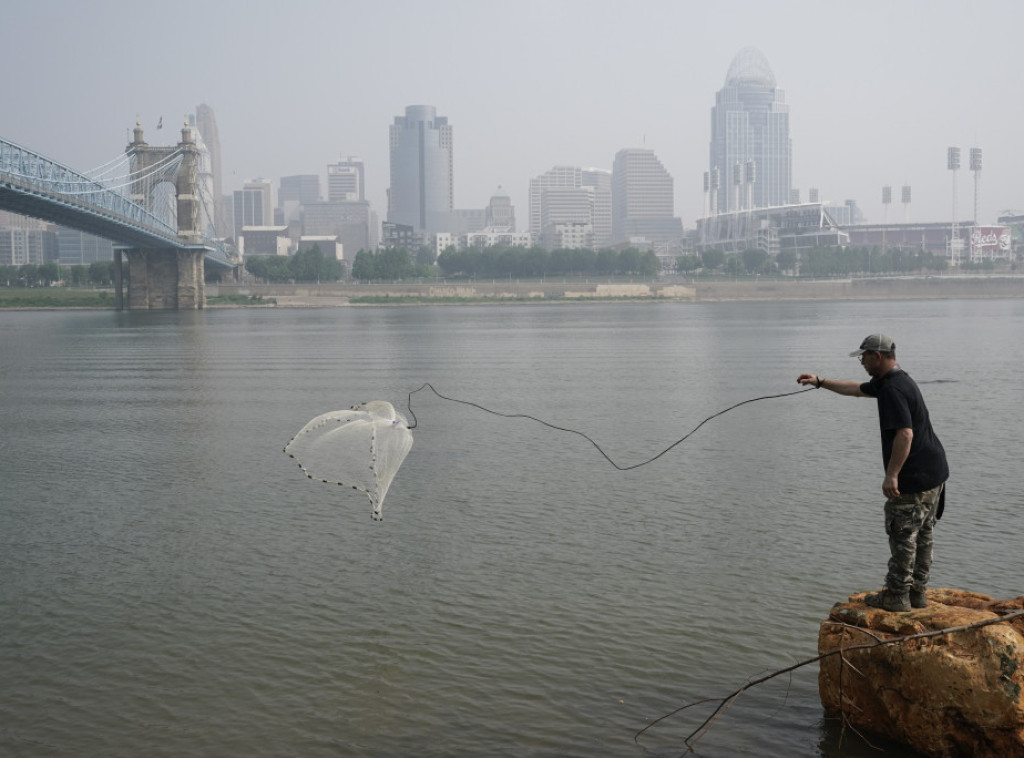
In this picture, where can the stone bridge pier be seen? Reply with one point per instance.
(165, 279)
(173, 277)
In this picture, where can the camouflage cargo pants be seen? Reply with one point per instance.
(909, 522)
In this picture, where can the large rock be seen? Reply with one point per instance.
(955, 694)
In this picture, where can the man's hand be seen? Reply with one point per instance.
(890, 486)
(900, 451)
(807, 379)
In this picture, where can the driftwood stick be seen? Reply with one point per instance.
(725, 702)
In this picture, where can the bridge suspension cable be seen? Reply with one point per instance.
(120, 162)
(70, 185)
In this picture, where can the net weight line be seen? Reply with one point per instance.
(428, 385)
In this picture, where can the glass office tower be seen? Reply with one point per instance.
(421, 192)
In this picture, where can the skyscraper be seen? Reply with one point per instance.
(300, 188)
(750, 124)
(500, 215)
(643, 199)
(421, 194)
(571, 195)
(345, 180)
(253, 206)
(206, 123)
(293, 194)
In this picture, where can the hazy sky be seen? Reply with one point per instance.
(877, 90)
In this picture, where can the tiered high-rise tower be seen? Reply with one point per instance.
(750, 143)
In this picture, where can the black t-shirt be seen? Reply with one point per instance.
(900, 406)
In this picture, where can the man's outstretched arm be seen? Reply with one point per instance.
(839, 386)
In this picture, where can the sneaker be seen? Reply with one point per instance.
(889, 601)
(918, 599)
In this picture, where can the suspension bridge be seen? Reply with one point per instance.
(150, 201)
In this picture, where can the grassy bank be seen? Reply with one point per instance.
(240, 300)
(62, 297)
(55, 297)
(493, 299)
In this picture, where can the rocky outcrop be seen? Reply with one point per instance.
(958, 693)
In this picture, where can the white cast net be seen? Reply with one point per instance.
(362, 448)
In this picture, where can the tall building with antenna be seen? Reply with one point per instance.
(750, 122)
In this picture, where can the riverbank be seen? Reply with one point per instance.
(571, 290)
(344, 294)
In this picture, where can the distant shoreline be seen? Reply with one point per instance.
(570, 290)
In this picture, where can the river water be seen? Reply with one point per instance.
(172, 585)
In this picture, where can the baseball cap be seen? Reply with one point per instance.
(881, 342)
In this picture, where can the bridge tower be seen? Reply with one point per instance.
(168, 278)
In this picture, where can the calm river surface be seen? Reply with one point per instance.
(173, 586)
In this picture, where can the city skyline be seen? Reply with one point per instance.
(568, 83)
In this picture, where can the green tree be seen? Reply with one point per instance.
(754, 259)
(30, 273)
(607, 261)
(629, 261)
(101, 272)
(425, 256)
(583, 260)
(269, 268)
(650, 264)
(394, 263)
(686, 263)
(78, 275)
(364, 267)
(712, 258)
(535, 261)
(313, 266)
(49, 273)
(733, 265)
(786, 260)
(559, 262)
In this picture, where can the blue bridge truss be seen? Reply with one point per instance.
(34, 185)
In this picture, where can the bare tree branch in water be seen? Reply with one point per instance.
(724, 703)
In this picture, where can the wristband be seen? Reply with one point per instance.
(821, 381)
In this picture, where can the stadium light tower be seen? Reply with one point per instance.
(737, 181)
(716, 183)
(905, 199)
(955, 244)
(749, 177)
(976, 168)
(975, 164)
(886, 202)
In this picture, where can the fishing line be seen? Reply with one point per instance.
(428, 385)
